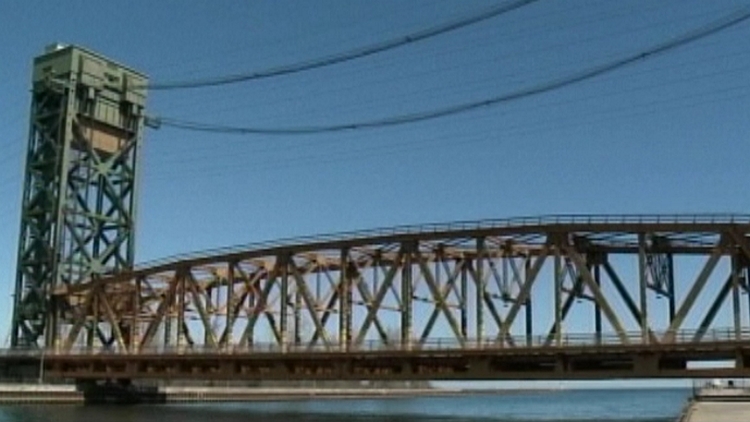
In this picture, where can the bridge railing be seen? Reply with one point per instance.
(539, 342)
(536, 221)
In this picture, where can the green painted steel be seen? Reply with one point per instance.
(80, 187)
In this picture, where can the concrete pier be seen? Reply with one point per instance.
(719, 404)
(709, 411)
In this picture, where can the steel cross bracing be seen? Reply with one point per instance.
(471, 285)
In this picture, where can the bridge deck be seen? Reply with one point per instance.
(434, 360)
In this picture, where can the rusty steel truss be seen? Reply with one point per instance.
(464, 283)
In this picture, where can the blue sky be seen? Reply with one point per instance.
(668, 135)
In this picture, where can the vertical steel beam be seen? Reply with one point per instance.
(134, 328)
(736, 308)
(597, 308)
(181, 308)
(41, 263)
(297, 312)
(226, 339)
(443, 289)
(407, 294)
(208, 331)
(464, 297)
(643, 287)
(670, 288)
(345, 302)
(94, 322)
(41, 144)
(558, 285)
(283, 262)
(529, 310)
(479, 303)
(377, 262)
(168, 327)
(52, 327)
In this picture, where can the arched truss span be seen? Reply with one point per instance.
(529, 282)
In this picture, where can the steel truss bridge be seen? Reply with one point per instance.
(466, 300)
(470, 300)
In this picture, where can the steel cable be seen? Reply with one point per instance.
(344, 56)
(687, 38)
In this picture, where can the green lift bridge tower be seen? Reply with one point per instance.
(80, 186)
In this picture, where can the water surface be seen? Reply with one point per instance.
(658, 405)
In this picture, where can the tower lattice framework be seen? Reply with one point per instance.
(80, 187)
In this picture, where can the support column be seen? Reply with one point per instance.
(479, 269)
(406, 295)
(94, 323)
(670, 288)
(181, 311)
(252, 304)
(558, 295)
(597, 306)
(377, 263)
(297, 317)
(134, 334)
(736, 307)
(529, 310)
(464, 298)
(229, 318)
(168, 326)
(207, 335)
(642, 286)
(283, 263)
(345, 301)
(51, 335)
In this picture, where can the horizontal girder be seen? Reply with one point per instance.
(445, 361)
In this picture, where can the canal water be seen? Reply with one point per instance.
(566, 405)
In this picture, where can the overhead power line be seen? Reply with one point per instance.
(344, 56)
(686, 38)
